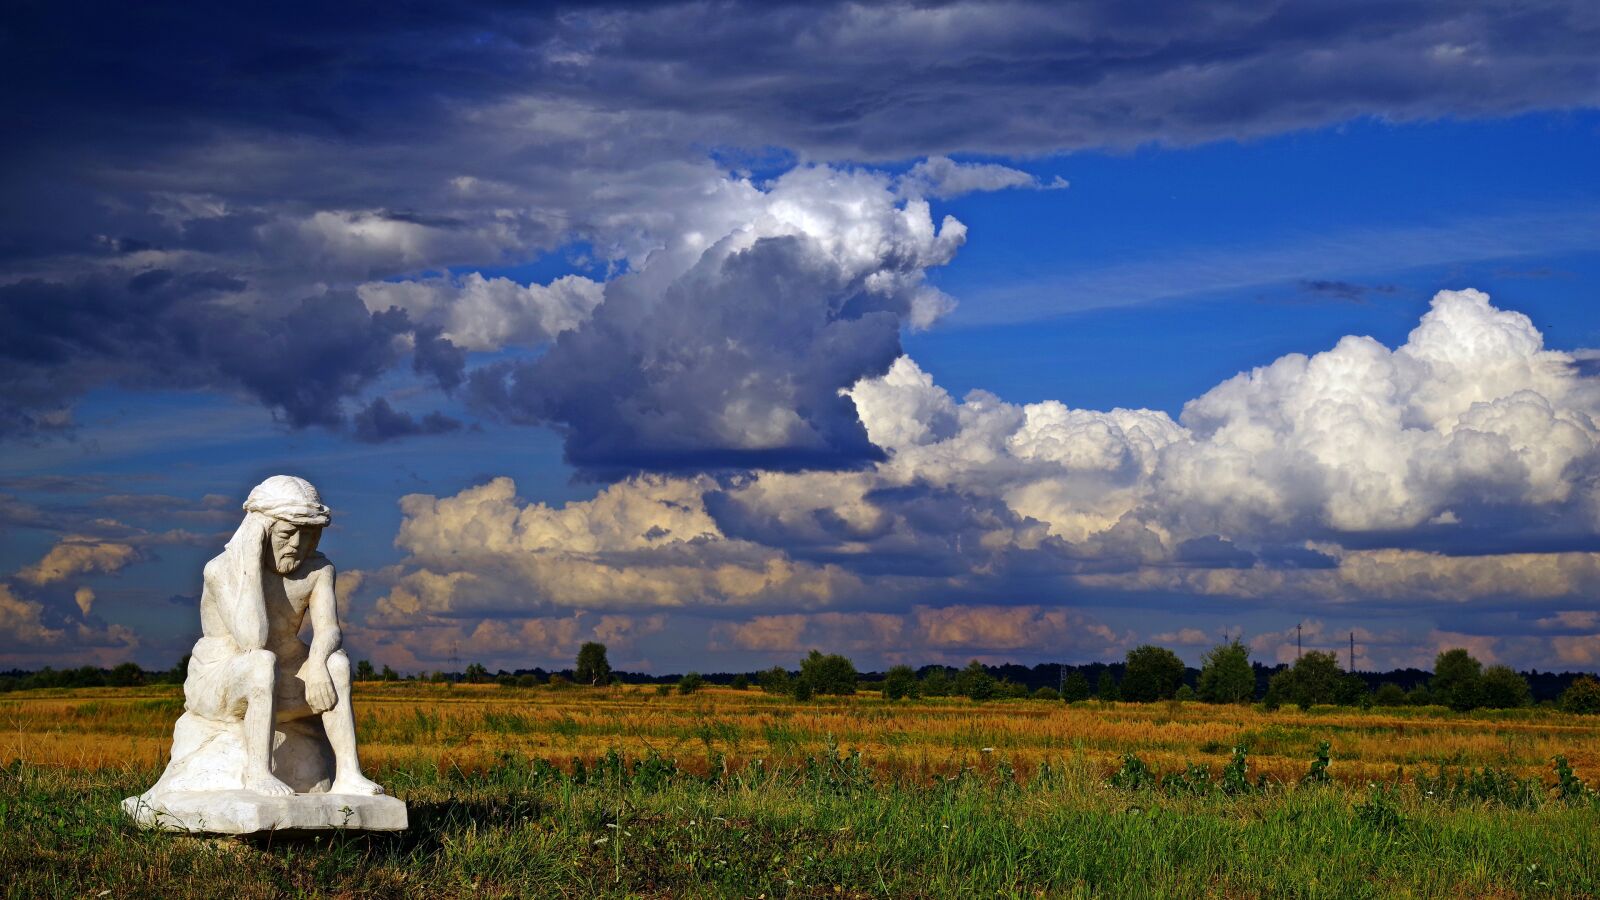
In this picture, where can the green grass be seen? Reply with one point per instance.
(829, 827)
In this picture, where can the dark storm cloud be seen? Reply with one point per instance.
(693, 379)
(57, 339)
(380, 422)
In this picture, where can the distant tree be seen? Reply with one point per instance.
(1314, 678)
(803, 689)
(1457, 680)
(936, 683)
(437, 677)
(1010, 690)
(1389, 694)
(592, 667)
(1419, 696)
(829, 674)
(388, 674)
(1153, 673)
(1107, 688)
(740, 682)
(1351, 690)
(898, 682)
(1184, 692)
(691, 683)
(1047, 693)
(974, 682)
(776, 681)
(1075, 688)
(1582, 696)
(180, 672)
(1226, 675)
(527, 680)
(364, 670)
(127, 674)
(1502, 688)
(476, 673)
(558, 682)
(663, 689)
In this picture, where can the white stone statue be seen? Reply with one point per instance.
(267, 739)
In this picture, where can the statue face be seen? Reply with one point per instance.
(291, 544)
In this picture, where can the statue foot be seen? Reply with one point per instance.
(355, 784)
(265, 783)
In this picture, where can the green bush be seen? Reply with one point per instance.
(1457, 680)
(691, 683)
(1107, 689)
(974, 682)
(1153, 673)
(898, 682)
(1582, 696)
(1389, 694)
(1075, 688)
(1226, 675)
(829, 673)
(1503, 688)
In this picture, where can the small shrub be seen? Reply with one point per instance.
(1236, 774)
(1192, 780)
(1381, 810)
(1134, 774)
(691, 683)
(1318, 774)
(1569, 787)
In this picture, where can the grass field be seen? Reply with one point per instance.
(619, 791)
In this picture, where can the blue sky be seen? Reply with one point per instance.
(754, 390)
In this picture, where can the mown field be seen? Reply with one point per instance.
(623, 792)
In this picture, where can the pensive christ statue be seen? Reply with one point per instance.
(267, 715)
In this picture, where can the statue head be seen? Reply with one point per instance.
(295, 515)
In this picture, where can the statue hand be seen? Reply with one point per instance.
(320, 695)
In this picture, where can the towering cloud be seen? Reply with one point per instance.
(731, 348)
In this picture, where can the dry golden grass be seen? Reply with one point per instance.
(470, 726)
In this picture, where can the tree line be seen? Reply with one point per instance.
(1149, 673)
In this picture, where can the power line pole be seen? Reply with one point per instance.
(455, 659)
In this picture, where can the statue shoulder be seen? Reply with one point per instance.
(319, 566)
(214, 566)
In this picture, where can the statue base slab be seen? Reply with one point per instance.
(247, 812)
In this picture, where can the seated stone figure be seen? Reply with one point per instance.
(266, 714)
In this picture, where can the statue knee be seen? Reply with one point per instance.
(262, 668)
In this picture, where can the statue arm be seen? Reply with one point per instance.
(325, 638)
(244, 612)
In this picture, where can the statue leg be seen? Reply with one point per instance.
(258, 674)
(340, 724)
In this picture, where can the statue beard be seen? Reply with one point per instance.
(286, 565)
